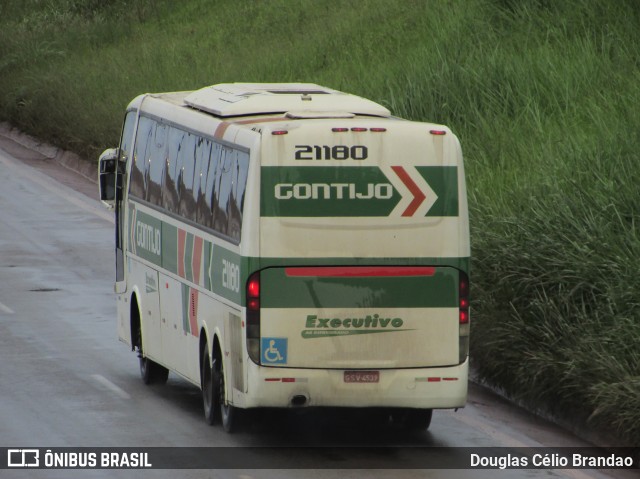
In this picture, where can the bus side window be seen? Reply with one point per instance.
(206, 211)
(187, 177)
(144, 137)
(157, 158)
(240, 169)
(223, 190)
(173, 165)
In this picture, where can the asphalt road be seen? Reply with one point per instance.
(66, 380)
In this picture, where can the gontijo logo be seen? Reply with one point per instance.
(325, 191)
(305, 191)
(145, 235)
(148, 237)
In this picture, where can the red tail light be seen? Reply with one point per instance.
(253, 287)
(463, 308)
(463, 298)
(253, 304)
(253, 317)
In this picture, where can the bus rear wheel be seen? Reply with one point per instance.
(228, 413)
(413, 419)
(209, 397)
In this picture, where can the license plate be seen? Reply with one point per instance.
(361, 376)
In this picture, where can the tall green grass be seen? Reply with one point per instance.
(543, 95)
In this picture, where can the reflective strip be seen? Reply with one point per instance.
(360, 271)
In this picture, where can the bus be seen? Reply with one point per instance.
(288, 245)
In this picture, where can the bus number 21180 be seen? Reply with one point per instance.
(337, 152)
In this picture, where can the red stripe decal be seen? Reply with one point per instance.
(196, 259)
(418, 195)
(360, 271)
(193, 312)
(221, 129)
(182, 237)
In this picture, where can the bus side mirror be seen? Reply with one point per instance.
(107, 172)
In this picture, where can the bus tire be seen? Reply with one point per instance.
(228, 413)
(150, 371)
(414, 419)
(209, 397)
(418, 419)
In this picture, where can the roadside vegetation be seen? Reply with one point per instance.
(543, 94)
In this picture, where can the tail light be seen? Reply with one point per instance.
(464, 298)
(253, 317)
(463, 314)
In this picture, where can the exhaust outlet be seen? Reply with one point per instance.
(298, 400)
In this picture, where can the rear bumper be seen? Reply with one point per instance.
(427, 388)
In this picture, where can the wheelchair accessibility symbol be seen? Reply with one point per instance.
(274, 350)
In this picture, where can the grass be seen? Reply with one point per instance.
(544, 98)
